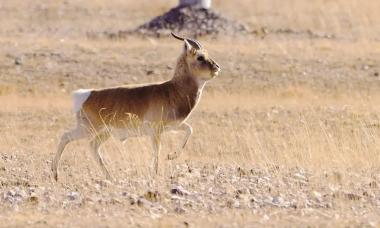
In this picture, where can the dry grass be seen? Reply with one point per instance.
(286, 136)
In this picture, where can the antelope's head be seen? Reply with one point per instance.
(197, 59)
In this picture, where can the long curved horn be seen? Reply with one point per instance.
(192, 42)
(195, 43)
(177, 37)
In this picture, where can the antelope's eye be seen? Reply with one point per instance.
(201, 58)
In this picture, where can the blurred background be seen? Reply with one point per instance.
(288, 134)
(350, 19)
(67, 31)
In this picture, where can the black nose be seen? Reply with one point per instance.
(215, 64)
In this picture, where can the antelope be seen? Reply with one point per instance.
(138, 110)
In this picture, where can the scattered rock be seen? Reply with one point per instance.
(132, 199)
(278, 201)
(150, 72)
(231, 203)
(179, 210)
(317, 196)
(14, 196)
(142, 202)
(179, 190)
(73, 196)
(18, 61)
(265, 218)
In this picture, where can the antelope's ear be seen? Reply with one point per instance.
(187, 46)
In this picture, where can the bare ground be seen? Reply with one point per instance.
(286, 136)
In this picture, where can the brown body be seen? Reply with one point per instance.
(142, 110)
(167, 102)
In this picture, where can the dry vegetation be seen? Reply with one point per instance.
(288, 135)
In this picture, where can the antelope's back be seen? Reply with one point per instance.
(122, 105)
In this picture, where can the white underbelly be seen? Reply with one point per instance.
(123, 133)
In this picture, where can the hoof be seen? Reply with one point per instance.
(55, 176)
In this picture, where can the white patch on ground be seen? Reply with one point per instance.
(80, 96)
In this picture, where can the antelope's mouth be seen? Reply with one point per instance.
(216, 72)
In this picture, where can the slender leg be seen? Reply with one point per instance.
(66, 138)
(156, 141)
(95, 143)
(188, 130)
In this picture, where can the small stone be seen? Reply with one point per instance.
(265, 218)
(18, 61)
(11, 193)
(73, 196)
(179, 210)
(300, 176)
(141, 202)
(133, 200)
(365, 67)
(317, 195)
(149, 72)
(124, 194)
(278, 201)
(178, 190)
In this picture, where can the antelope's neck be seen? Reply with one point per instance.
(188, 87)
(188, 91)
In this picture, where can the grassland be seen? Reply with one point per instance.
(288, 135)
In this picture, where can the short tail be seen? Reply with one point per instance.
(80, 96)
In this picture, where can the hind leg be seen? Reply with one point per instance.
(95, 143)
(67, 137)
(156, 142)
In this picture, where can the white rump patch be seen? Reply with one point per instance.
(80, 96)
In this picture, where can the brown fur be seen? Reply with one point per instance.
(163, 104)
(167, 102)
(170, 101)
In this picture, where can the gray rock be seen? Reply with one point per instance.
(73, 196)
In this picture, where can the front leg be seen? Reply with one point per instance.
(95, 143)
(189, 131)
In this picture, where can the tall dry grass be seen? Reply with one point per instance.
(241, 129)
